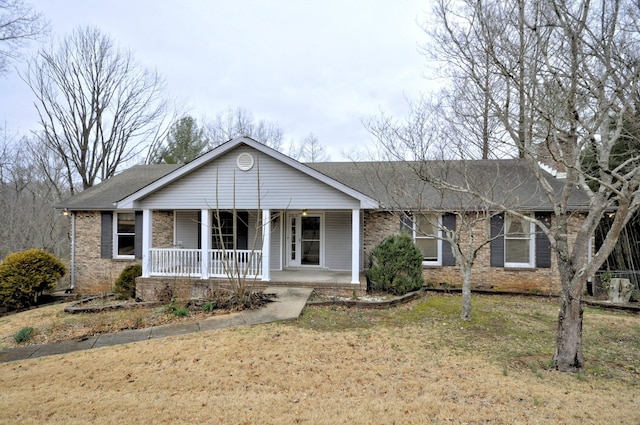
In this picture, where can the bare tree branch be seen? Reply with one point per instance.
(19, 24)
(97, 107)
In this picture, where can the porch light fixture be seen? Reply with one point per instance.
(304, 213)
(65, 212)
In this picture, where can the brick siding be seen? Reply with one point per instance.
(95, 275)
(378, 225)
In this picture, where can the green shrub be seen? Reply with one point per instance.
(396, 266)
(24, 335)
(125, 286)
(181, 312)
(26, 275)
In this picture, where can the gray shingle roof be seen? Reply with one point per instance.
(406, 185)
(401, 185)
(103, 195)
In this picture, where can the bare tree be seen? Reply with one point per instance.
(439, 197)
(29, 189)
(575, 72)
(502, 41)
(240, 122)
(97, 107)
(309, 150)
(239, 263)
(19, 24)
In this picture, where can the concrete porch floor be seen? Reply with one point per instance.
(326, 281)
(311, 275)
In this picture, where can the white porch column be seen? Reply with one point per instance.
(266, 244)
(355, 246)
(147, 241)
(205, 242)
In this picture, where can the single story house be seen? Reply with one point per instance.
(245, 205)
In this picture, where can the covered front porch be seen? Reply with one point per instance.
(279, 246)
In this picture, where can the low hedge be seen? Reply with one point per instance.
(26, 275)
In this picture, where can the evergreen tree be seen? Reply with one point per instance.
(185, 142)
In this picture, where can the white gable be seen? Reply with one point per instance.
(246, 175)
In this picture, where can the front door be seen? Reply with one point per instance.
(304, 240)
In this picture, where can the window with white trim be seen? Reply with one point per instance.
(519, 242)
(427, 237)
(222, 231)
(231, 231)
(124, 234)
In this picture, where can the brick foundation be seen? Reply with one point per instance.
(152, 288)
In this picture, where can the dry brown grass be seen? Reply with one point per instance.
(411, 365)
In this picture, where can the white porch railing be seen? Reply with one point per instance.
(187, 262)
(175, 262)
(235, 263)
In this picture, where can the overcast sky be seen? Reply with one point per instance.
(311, 66)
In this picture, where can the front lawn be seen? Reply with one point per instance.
(414, 364)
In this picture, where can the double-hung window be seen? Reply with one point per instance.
(125, 234)
(222, 230)
(519, 242)
(230, 231)
(427, 237)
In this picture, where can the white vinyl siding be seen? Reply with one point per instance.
(186, 231)
(276, 237)
(337, 233)
(281, 186)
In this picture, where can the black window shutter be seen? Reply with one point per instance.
(106, 235)
(242, 229)
(497, 241)
(448, 222)
(137, 241)
(406, 223)
(543, 246)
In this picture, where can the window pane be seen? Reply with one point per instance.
(226, 242)
(310, 252)
(125, 244)
(222, 232)
(429, 248)
(427, 225)
(517, 227)
(126, 223)
(311, 228)
(517, 250)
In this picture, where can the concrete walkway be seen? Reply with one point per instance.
(287, 305)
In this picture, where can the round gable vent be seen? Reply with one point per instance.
(245, 161)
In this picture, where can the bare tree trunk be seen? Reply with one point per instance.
(466, 292)
(568, 355)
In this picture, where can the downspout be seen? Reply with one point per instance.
(73, 253)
